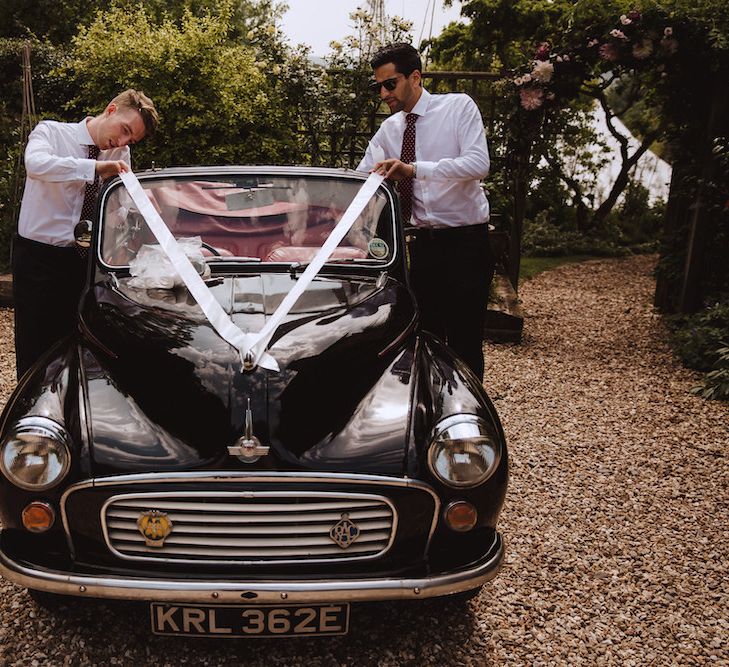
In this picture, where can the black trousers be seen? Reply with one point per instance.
(47, 284)
(451, 272)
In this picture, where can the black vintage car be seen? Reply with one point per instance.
(144, 459)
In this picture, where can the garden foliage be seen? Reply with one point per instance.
(218, 101)
(702, 341)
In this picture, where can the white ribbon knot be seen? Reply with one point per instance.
(252, 347)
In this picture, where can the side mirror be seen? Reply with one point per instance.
(82, 233)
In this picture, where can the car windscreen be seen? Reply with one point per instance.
(249, 218)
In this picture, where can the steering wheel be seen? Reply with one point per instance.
(207, 246)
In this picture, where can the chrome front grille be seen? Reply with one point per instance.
(250, 526)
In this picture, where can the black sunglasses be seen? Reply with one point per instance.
(376, 86)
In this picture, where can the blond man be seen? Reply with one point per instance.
(65, 164)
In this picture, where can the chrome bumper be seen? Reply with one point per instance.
(254, 592)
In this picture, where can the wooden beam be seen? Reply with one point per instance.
(691, 290)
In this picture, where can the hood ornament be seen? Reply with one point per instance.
(248, 365)
(248, 448)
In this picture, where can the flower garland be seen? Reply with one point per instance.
(634, 44)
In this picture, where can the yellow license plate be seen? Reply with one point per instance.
(250, 620)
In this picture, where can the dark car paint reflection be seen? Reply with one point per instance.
(152, 397)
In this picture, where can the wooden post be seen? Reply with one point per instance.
(691, 289)
(668, 283)
(519, 184)
(27, 123)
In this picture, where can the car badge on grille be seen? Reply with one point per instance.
(248, 448)
(344, 532)
(155, 526)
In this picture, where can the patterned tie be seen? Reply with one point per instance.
(92, 189)
(407, 155)
(87, 208)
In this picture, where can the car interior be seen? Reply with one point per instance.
(262, 219)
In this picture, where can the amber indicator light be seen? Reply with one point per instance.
(461, 516)
(38, 517)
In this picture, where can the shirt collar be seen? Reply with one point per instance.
(82, 133)
(421, 106)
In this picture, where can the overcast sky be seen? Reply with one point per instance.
(318, 22)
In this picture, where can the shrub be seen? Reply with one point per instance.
(217, 99)
(637, 222)
(542, 238)
(702, 342)
(716, 382)
(697, 337)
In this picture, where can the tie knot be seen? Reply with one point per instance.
(410, 119)
(93, 152)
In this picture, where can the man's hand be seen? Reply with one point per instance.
(108, 168)
(394, 169)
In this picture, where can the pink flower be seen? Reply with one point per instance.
(543, 71)
(592, 42)
(531, 98)
(609, 52)
(521, 80)
(618, 34)
(642, 49)
(625, 20)
(668, 31)
(542, 52)
(634, 15)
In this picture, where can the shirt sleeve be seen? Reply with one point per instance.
(377, 142)
(43, 164)
(126, 156)
(473, 161)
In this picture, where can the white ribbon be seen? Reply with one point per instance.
(251, 346)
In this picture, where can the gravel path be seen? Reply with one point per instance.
(616, 518)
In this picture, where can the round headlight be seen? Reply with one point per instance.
(35, 454)
(465, 451)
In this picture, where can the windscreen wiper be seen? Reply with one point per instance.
(300, 267)
(353, 260)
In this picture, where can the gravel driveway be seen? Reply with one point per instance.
(616, 518)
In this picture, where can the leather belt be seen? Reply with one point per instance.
(447, 232)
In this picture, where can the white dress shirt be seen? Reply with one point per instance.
(451, 158)
(58, 169)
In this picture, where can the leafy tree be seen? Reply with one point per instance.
(52, 20)
(563, 76)
(217, 101)
(57, 21)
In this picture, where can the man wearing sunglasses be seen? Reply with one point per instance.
(435, 148)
